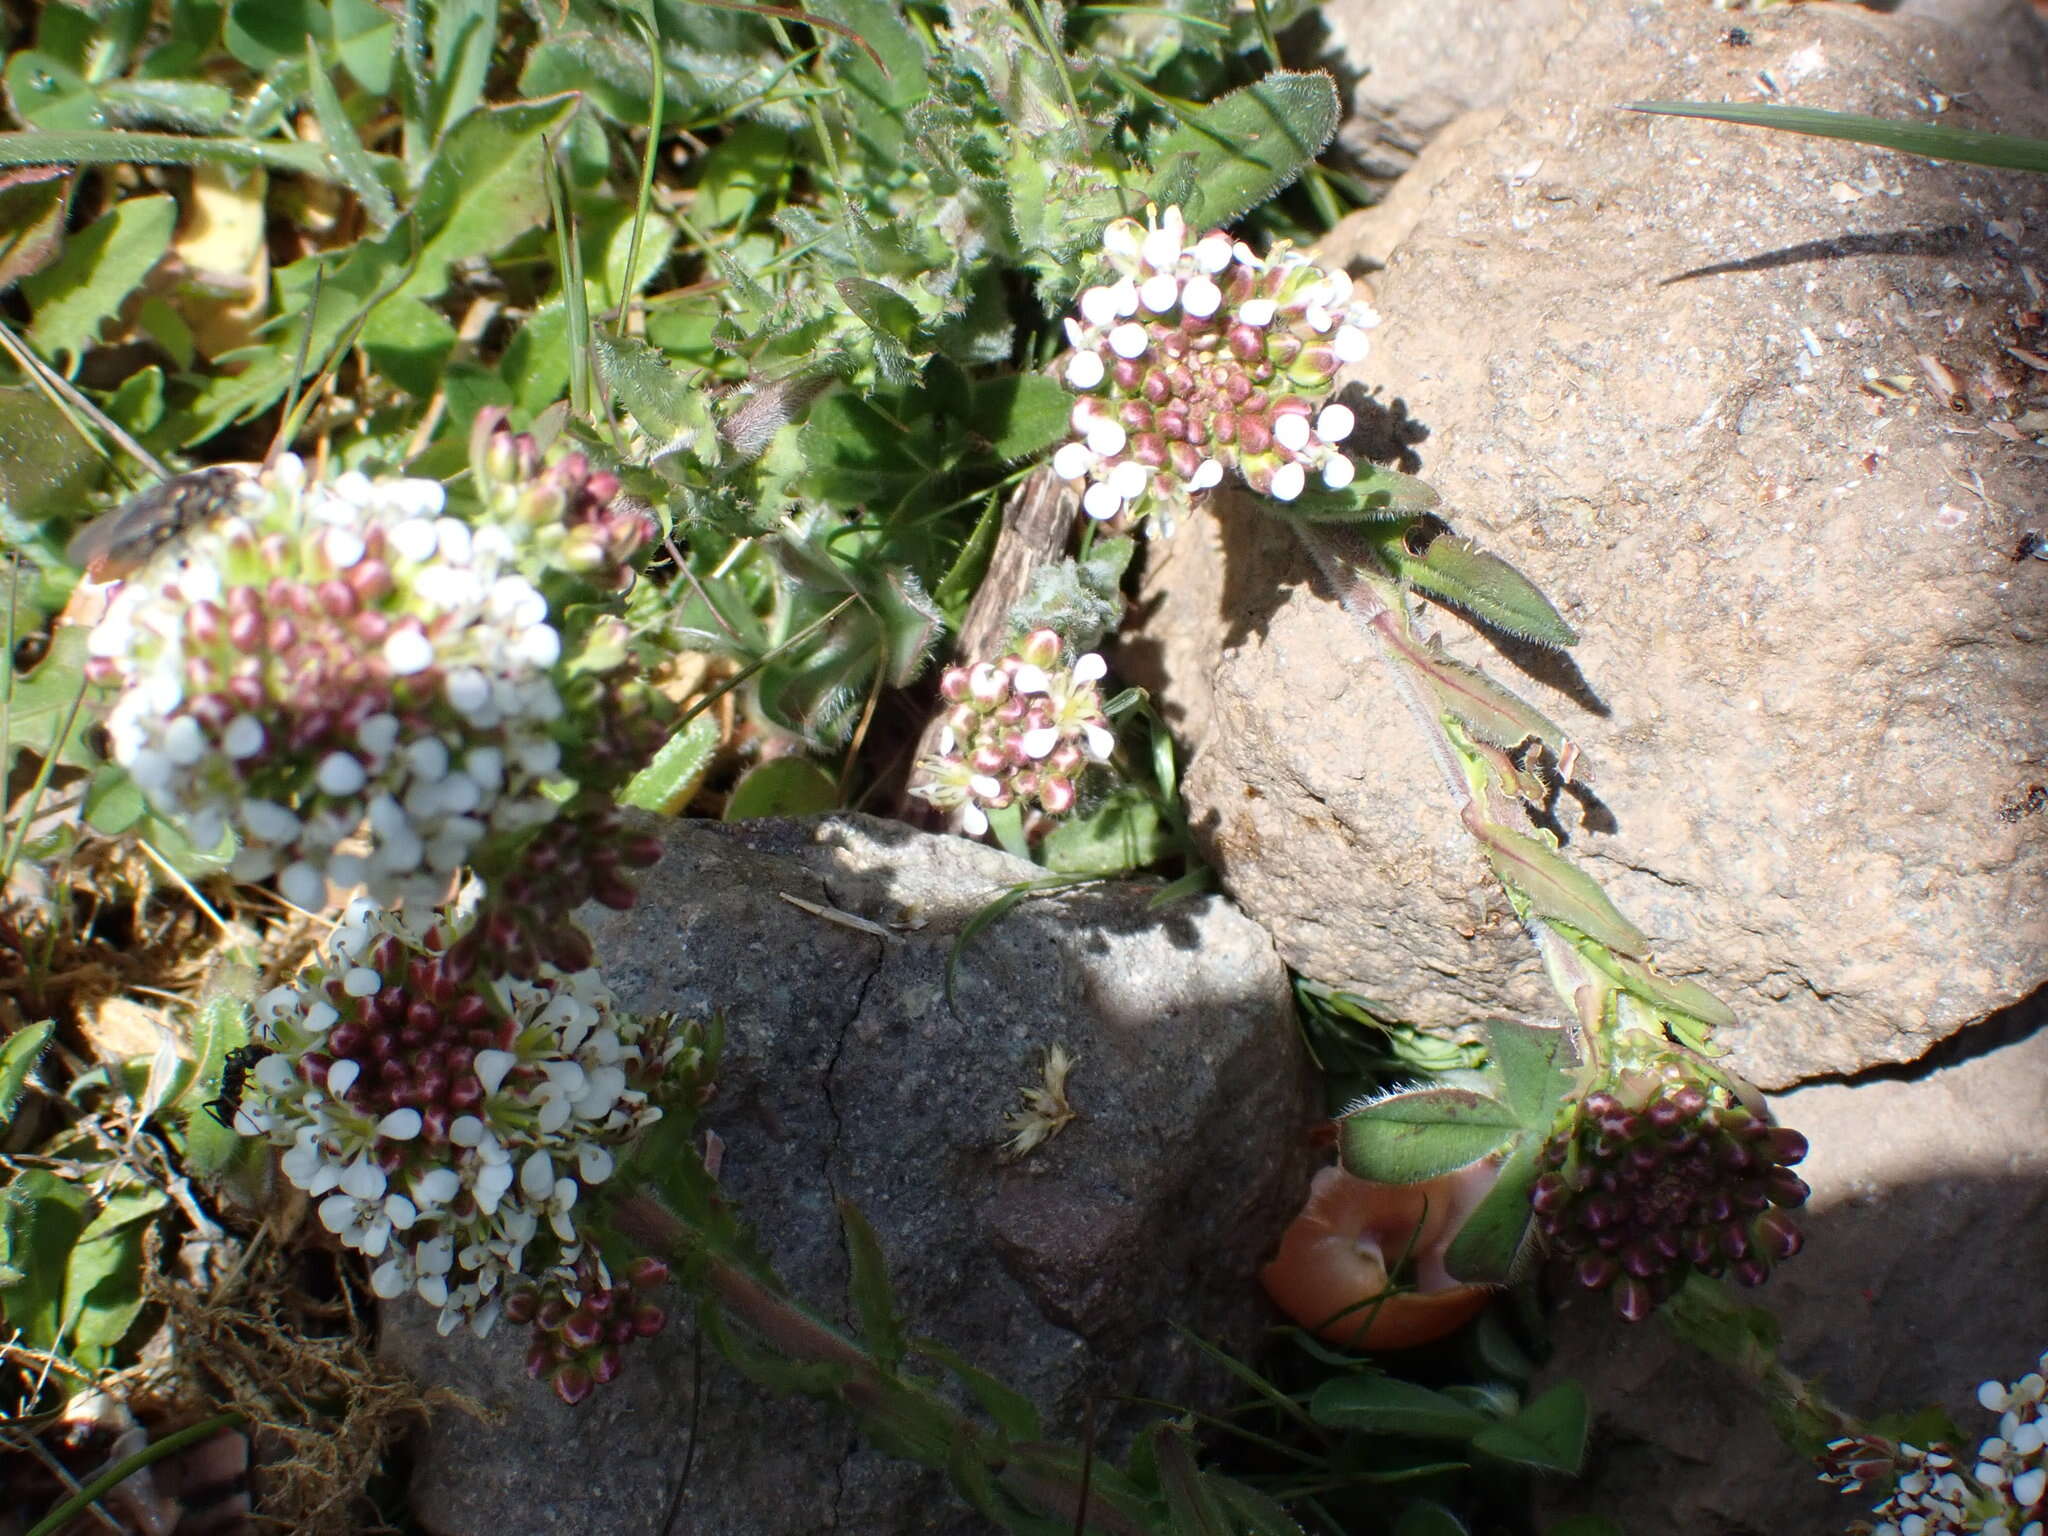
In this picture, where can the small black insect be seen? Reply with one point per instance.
(116, 543)
(2032, 546)
(234, 1075)
(1736, 37)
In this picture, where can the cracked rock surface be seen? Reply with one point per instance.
(1685, 376)
(847, 1075)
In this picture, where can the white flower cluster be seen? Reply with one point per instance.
(2003, 1491)
(447, 1132)
(356, 685)
(1202, 357)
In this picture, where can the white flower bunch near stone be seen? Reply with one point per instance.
(1936, 1491)
(1200, 358)
(1020, 730)
(448, 1127)
(357, 686)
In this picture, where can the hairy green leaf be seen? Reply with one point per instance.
(102, 147)
(1483, 584)
(18, 1057)
(1555, 888)
(353, 162)
(1020, 414)
(1670, 994)
(873, 1298)
(31, 220)
(1014, 1413)
(1407, 1137)
(1376, 495)
(1233, 154)
(1930, 141)
(1493, 1245)
(1483, 707)
(45, 702)
(483, 188)
(672, 778)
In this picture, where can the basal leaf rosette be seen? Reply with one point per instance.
(359, 686)
(1018, 731)
(450, 1126)
(1661, 1169)
(1200, 358)
(1937, 1490)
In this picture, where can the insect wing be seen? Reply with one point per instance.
(117, 543)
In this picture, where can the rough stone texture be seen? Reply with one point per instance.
(1926, 1242)
(1412, 66)
(1811, 688)
(848, 1075)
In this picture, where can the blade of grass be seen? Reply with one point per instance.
(2002, 151)
(107, 147)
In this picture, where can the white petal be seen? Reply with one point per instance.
(388, 1280)
(1319, 319)
(274, 1073)
(1090, 668)
(1288, 482)
(361, 981)
(1160, 248)
(1207, 473)
(1122, 237)
(1098, 306)
(303, 886)
(491, 1067)
(1037, 743)
(400, 1124)
(400, 1212)
(1072, 461)
(1107, 438)
(1130, 480)
(1100, 743)
(1201, 298)
(1334, 423)
(337, 1212)
(593, 1163)
(1125, 294)
(1291, 430)
(974, 820)
(363, 1179)
(408, 651)
(433, 1290)
(1350, 344)
(537, 1177)
(1085, 370)
(342, 1076)
(1258, 312)
(1128, 340)
(1159, 294)
(1212, 253)
(243, 738)
(184, 742)
(1029, 680)
(491, 1185)
(466, 1131)
(1339, 472)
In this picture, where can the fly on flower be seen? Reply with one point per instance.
(118, 543)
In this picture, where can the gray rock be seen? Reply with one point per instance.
(1644, 359)
(848, 1076)
(1926, 1240)
(1415, 65)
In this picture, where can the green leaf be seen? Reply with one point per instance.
(1489, 712)
(1386, 1405)
(1423, 1517)
(1014, 1413)
(357, 169)
(1191, 1504)
(1020, 414)
(1484, 585)
(220, 1026)
(1549, 1435)
(462, 37)
(18, 1057)
(1376, 495)
(783, 786)
(868, 1288)
(1126, 830)
(1492, 1246)
(2005, 151)
(1233, 154)
(1669, 994)
(46, 466)
(1407, 1137)
(41, 1216)
(668, 405)
(483, 189)
(43, 701)
(103, 1289)
(100, 267)
(1259, 1515)
(106, 147)
(1554, 887)
(671, 780)
(366, 39)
